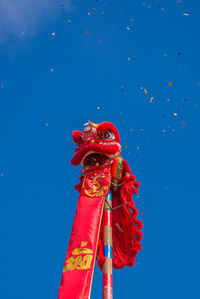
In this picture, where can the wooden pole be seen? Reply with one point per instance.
(107, 248)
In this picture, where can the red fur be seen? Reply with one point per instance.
(107, 126)
(135, 190)
(94, 148)
(137, 184)
(76, 135)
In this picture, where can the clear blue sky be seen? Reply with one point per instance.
(105, 60)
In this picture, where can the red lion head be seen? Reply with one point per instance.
(96, 144)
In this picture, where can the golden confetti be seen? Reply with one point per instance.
(137, 147)
(51, 70)
(164, 131)
(126, 146)
(170, 83)
(175, 114)
(186, 14)
(89, 13)
(151, 99)
(145, 91)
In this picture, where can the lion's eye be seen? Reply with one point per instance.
(108, 135)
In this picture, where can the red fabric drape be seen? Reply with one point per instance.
(79, 263)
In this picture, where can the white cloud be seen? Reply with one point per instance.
(25, 17)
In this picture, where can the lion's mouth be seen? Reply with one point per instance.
(95, 159)
(87, 154)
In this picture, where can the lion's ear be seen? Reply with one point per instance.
(76, 136)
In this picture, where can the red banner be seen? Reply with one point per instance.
(81, 254)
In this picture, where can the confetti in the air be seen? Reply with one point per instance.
(151, 99)
(145, 91)
(2, 85)
(170, 83)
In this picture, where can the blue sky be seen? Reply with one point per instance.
(59, 67)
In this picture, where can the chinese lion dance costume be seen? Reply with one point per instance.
(104, 170)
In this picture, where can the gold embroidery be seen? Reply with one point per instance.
(99, 192)
(96, 189)
(82, 251)
(85, 263)
(79, 262)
